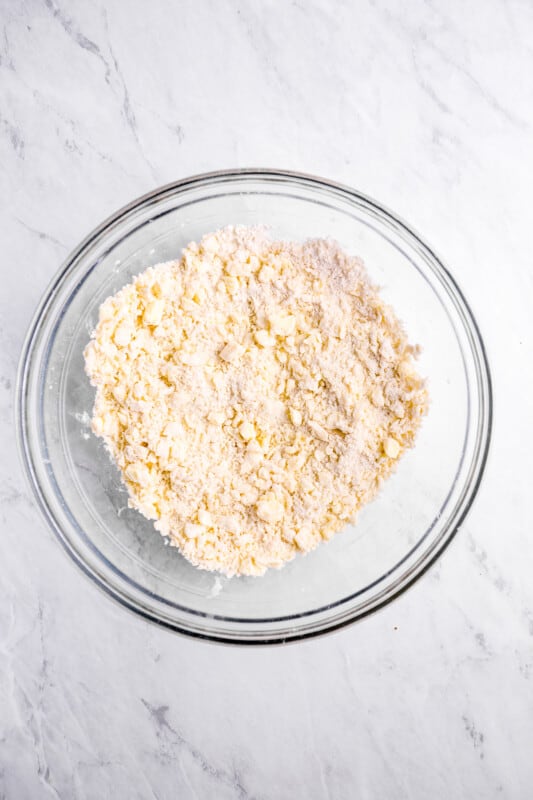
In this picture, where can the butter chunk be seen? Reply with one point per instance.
(282, 324)
(231, 352)
(247, 431)
(295, 416)
(154, 312)
(264, 339)
(269, 509)
(391, 447)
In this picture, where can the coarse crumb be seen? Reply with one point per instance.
(254, 395)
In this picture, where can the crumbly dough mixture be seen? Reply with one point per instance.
(254, 395)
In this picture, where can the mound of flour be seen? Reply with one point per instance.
(254, 395)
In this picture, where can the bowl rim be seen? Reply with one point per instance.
(310, 181)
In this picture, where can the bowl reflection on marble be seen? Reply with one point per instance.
(397, 537)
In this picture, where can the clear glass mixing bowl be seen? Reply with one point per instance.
(397, 537)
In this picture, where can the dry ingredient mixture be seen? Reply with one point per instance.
(254, 395)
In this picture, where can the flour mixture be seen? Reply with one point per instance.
(254, 395)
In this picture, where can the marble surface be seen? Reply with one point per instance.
(427, 107)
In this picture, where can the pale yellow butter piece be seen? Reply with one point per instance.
(269, 509)
(231, 351)
(247, 431)
(295, 416)
(264, 339)
(391, 447)
(154, 312)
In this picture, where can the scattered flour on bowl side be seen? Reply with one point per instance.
(254, 394)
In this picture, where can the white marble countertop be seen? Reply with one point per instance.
(426, 106)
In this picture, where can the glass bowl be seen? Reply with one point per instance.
(397, 537)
